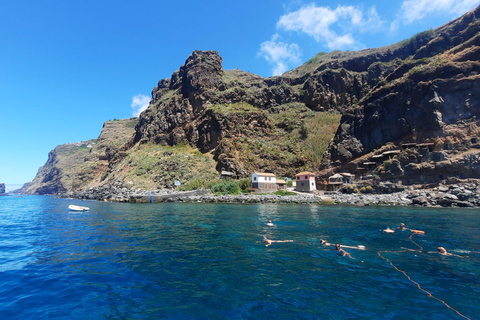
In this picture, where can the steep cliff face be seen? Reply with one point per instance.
(78, 165)
(427, 110)
(57, 175)
(2, 189)
(226, 112)
(420, 100)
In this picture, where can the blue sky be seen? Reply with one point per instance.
(68, 66)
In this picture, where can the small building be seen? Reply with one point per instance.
(281, 184)
(347, 177)
(264, 182)
(305, 182)
(335, 182)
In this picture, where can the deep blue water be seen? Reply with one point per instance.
(207, 261)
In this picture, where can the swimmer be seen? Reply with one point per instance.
(342, 252)
(443, 252)
(402, 227)
(270, 224)
(324, 242)
(269, 242)
(388, 230)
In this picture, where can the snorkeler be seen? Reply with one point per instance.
(324, 242)
(402, 227)
(269, 242)
(270, 224)
(443, 252)
(342, 252)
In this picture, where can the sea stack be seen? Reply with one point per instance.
(2, 189)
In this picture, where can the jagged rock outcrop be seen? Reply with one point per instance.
(2, 189)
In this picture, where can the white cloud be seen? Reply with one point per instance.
(417, 9)
(334, 27)
(139, 103)
(280, 54)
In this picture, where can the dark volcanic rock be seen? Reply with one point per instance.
(439, 87)
(2, 189)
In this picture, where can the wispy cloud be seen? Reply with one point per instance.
(334, 27)
(139, 103)
(281, 55)
(413, 10)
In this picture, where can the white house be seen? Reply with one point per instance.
(264, 182)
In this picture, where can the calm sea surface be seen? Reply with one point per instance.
(207, 261)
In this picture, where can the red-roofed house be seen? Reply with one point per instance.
(305, 182)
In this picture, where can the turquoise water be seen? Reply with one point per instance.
(207, 261)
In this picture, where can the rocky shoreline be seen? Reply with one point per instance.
(455, 195)
(465, 195)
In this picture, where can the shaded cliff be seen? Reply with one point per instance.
(427, 109)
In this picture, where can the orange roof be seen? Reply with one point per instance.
(265, 174)
(304, 173)
(280, 181)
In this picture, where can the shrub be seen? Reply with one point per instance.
(366, 189)
(244, 184)
(192, 185)
(303, 131)
(227, 187)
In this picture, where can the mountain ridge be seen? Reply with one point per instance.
(327, 114)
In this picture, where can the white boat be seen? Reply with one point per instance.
(78, 208)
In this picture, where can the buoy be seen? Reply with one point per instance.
(418, 231)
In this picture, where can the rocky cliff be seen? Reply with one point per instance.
(398, 108)
(427, 109)
(2, 189)
(79, 165)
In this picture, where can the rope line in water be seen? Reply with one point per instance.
(421, 248)
(418, 285)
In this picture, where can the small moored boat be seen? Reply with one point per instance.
(78, 208)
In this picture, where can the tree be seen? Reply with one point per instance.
(303, 131)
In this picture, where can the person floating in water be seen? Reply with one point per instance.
(269, 242)
(270, 224)
(324, 242)
(402, 227)
(388, 230)
(443, 252)
(342, 252)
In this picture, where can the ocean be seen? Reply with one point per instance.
(208, 261)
